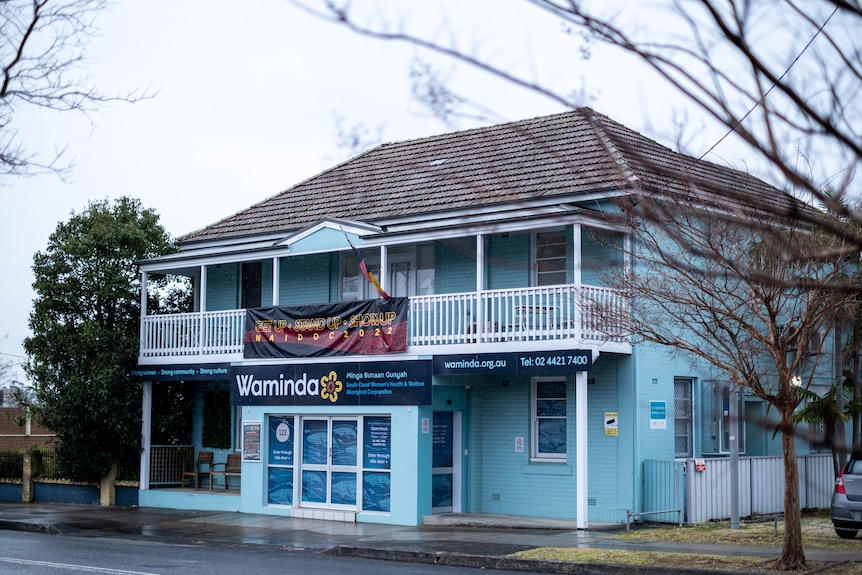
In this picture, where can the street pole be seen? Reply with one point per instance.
(734, 457)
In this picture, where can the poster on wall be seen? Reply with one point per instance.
(612, 423)
(658, 415)
(377, 326)
(251, 441)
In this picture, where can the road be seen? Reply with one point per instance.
(38, 554)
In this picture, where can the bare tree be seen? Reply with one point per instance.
(43, 64)
(784, 77)
(697, 298)
(7, 371)
(796, 106)
(351, 140)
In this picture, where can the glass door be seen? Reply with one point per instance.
(446, 462)
(329, 462)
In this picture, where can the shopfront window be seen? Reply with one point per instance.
(330, 462)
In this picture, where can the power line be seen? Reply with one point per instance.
(780, 78)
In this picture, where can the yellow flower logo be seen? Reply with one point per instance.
(330, 386)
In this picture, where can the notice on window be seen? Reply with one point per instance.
(378, 442)
(281, 440)
(251, 441)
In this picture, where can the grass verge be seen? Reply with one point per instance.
(817, 534)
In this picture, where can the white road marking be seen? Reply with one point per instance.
(70, 567)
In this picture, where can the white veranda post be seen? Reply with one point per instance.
(581, 421)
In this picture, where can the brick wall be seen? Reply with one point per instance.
(21, 437)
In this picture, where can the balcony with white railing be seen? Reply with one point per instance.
(554, 317)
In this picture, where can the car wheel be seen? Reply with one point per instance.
(846, 533)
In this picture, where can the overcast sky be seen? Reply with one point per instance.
(245, 95)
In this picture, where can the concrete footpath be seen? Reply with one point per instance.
(483, 541)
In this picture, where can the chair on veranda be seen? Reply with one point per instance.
(231, 468)
(203, 466)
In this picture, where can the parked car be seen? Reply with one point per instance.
(846, 508)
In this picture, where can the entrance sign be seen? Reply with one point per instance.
(375, 326)
(331, 384)
(280, 440)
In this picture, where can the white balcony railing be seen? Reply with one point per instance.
(567, 312)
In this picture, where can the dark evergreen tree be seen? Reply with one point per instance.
(85, 334)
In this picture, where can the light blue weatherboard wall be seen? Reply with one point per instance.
(655, 363)
(507, 260)
(308, 279)
(222, 286)
(602, 256)
(609, 489)
(313, 278)
(455, 265)
(503, 480)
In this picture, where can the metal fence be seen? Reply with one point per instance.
(705, 490)
(11, 464)
(167, 463)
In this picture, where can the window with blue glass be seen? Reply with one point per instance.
(330, 462)
(377, 455)
(549, 419)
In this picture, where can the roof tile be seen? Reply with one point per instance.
(562, 154)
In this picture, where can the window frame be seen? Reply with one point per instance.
(689, 413)
(536, 273)
(348, 264)
(536, 419)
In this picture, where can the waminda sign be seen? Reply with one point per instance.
(376, 326)
(330, 384)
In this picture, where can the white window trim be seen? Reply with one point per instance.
(690, 381)
(535, 456)
(534, 258)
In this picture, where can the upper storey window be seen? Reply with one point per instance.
(411, 272)
(524, 259)
(549, 255)
(251, 285)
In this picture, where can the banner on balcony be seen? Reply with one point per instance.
(375, 326)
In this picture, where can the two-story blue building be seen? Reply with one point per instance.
(483, 384)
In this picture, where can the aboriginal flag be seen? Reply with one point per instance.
(368, 275)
